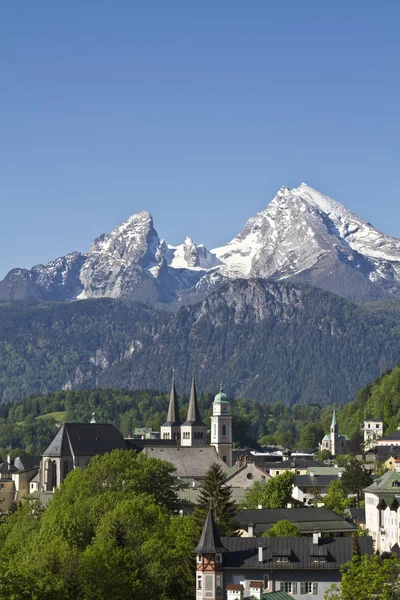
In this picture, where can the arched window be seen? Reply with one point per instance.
(224, 431)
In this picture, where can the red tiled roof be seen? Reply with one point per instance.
(256, 584)
(236, 587)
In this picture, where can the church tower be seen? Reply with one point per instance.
(193, 430)
(334, 434)
(209, 574)
(221, 427)
(171, 429)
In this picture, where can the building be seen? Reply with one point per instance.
(382, 501)
(298, 466)
(308, 488)
(171, 429)
(74, 446)
(335, 442)
(245, 474)
(189, 462)
(244, 567)
(193, 430)
(221, 427)
(255, 522)
(392, 439)
(373, 431)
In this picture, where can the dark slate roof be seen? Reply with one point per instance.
(395, 435)
(26, 463)
(193, 415)
(85, 439)
(357, 514)
(243, 552)
(299, 463)
(139, 445)
(210, 542)
(7, 468)
(173, 419)
(313, 481)
(307, 519)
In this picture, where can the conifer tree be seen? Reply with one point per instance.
(216, 495)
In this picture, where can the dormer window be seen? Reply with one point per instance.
(395, 483)
(281, 559)
(319, 559)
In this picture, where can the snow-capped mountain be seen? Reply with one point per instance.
(302, 235)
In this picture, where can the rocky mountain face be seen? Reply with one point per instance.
(269, 341)
(301, 236)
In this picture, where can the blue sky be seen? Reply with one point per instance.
(195, 111)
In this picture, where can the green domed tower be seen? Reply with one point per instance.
(221, 427)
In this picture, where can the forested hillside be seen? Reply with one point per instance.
(269, 342)
(30, 424)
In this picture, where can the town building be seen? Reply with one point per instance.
(255, 522)
(382, 501)
(309, 488)
(239, 568)
(335, 442)
(391, 439)
(373, 431)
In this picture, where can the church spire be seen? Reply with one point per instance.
(210, 541)
(333, 418)
(173, 408)
(193, 415)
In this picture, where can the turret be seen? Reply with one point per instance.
(209, 551)
(193, 430)
(221, 427)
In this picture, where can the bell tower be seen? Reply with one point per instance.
(221, 427)
(171, 429)
(193, 430)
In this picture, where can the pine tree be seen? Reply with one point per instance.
(216, 495)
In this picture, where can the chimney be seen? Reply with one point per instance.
(316, 537)
(311, 473)
(250, 530)
(8, 461)
(193, 483)
(259, 506)
(340, 474)
(260, 554)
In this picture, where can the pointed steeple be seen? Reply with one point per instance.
(333, 418)
(173, 408)
(210, 541)
(193, 415)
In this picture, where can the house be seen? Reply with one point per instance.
(254, 522)
(382, 501)
(357, 515)
(308, 488)
(245, 474)
(373, 431)
(244, 567)
(296, 466)
(392, 439)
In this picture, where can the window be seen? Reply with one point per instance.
(215, 431)
(276, 472)
(218, 558)
(289, 586)
(218, 582)
(266, 581)
(224, 434)
(308, 587)
(224, 458)
(281, 559)
(199, 558)
(199, 582)
(319, 559)
(209, 583)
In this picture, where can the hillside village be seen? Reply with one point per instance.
(251, 564)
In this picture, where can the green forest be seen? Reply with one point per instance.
(269, 342)
(29, 425)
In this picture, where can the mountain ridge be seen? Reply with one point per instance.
(301, 236)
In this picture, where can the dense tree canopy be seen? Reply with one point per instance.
(111, 531)
(274, 493)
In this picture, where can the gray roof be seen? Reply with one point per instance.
(316, 481)
(191, 495)
(193, 415)
(188, 461)
(243, 552)
(297, 463)
(395, 435)
(307, 519)
(5, 467)
(26, 463)
(210, 542)
(173, 419)
(85, 439)
(357, 514)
